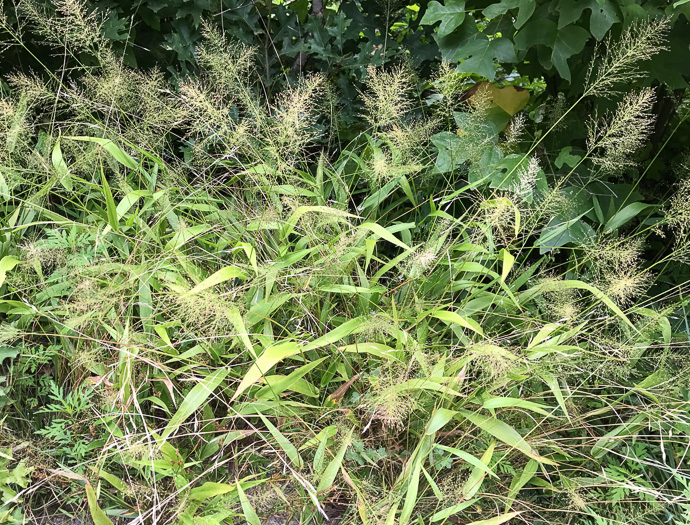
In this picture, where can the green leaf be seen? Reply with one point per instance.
(61, 166)
(552, 381)
(614, 437)
(451, 15)
(505, 433)
(349, 327)
(566, 158)
(333, 467)
(347, 289)
(194, 399)
(452, 317)
(562, 43)
(210, 489)
(558, 233)
(518, 482)
(508, 262)
(383, 233)
(247, 509)
(111, 209)
(469, 458)
(604, 15)
(97, 515)
(512, 402)
(625, 215)
(437, 384)
(128, 201)
(7, 263)
(279, 384)
(439, 420)
(481, 54)
(377, 349)
(525, 10)
(477, 475)
(185, 235)
(267, 360)
(117, 153)
(449, 511)
(222, 275)
(284, 443)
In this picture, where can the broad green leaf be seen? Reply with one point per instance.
(477, 475)
(210, 489)
(505, 433)
(452, 317)
(559, 233)
(185, 235)
(625, 215)
(604, 13)
(97, 515)
(451, 15)
(449, 511)
(377, 349)
(439, 420)
(520, 481)
(117, 153)
(196, 397)
(267, 360)
(481, 53)
(111, 208)
(113, 480)
(278, 384)
(247, 509)
(284, 443)
(508, 262)
(60, 166)
(552, 381)
(560, 44)
(7, 263)
(525, 10)
(333, 467)
(383, 233)
(222, 275)
(469, 458)
(512, 402)
(128, 201)
(347, 328)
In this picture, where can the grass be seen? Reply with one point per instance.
(214, 312)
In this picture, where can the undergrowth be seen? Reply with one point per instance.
(213, 311)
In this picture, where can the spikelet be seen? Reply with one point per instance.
(616, 138)
(386, 99)
(620, 63)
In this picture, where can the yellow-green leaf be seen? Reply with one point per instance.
(505, 433)
(267, 360)
(97, 515)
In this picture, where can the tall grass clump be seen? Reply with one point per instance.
(208, 317)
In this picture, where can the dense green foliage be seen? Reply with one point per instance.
(391, 263)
